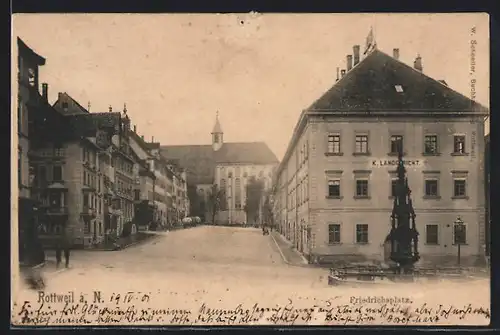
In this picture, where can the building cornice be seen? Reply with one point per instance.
(414, 113)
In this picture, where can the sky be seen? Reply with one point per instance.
(175, 71)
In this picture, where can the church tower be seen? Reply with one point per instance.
(217, 134)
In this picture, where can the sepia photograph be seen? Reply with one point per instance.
(250, 169)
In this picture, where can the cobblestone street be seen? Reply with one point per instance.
(223, 267)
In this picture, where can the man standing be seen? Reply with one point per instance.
(63, 244)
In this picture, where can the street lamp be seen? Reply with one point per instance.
(459, 227)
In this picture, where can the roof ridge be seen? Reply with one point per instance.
(347, 74)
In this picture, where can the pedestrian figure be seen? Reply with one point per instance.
(63, 244)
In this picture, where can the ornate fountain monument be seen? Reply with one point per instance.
(403, 240)
(403, 235)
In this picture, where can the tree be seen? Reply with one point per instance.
(254, 193)
(267, 210)
(194, 201)
(216, 201)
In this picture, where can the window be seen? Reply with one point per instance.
(459, 234)
(459, 144)
(58, 150)
(431, 234)
(396, 144)
(361, 233)
(459, 188)
(86, 200)
(237, 196)
(399, 88)
(362, 188)
(394, 185)
(86, 227)
(430, 145)
(361, 144)
(137, 195)
(431, 188)
(65, 105)
(334, 188)
(57, 173)
(334, 144)
(31, 77)
(333, 233)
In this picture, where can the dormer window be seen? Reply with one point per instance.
(399, 88)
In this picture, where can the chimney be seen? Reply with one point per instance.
(355, 52)
(338, 74)
(395, 53)
(45, 91)
(142, 137)
(135, 129)
(349, 62)
(417, 64)
(342, 73)
(110, 108)
(152, 139)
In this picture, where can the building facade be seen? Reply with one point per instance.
(230, 166)
(144, 189)
(29, 103)
(333, 191)
(97, 173)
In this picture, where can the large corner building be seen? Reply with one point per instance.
(333, 190)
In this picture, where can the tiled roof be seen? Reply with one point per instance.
(200, 160)
(140, 141)
(87, 124)
(371, 85)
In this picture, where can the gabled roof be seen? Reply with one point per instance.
(74, 106)
(371, 85)
(28, 53)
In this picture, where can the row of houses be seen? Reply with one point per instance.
(333, 191)
(88, 173)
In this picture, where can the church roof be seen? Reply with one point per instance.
(381, 82)
(245, 152)
(200, 160)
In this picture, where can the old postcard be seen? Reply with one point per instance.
(250, 169)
